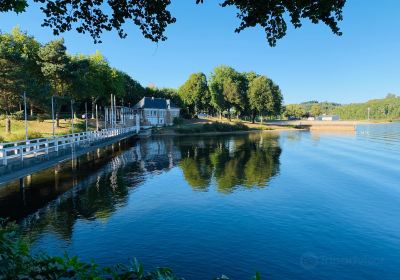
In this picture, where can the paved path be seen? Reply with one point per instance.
(15, 170)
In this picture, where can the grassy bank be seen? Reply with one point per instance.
(211, 127)
(216, 126)
(37, 129)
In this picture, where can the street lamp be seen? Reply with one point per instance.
(52, 113)
(72, 115)
(26, 118)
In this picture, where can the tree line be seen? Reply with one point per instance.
(382, 108)
(228, 92)
(44, 71)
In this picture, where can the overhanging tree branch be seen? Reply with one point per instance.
(152, 16)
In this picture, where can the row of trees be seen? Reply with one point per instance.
(383, 108)
(229, 92)
(309, 109)
(43, 71)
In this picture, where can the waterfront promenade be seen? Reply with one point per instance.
(17, 168)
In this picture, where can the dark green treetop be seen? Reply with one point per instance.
(152, 17)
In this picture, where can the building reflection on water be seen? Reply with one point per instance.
(95, 185)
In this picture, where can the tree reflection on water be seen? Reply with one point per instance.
(93, 187)
(246, 161)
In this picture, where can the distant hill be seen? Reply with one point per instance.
(384, 108)
(326, 107)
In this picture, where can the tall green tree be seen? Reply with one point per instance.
(277, 100)
(19, 71)
(195, 93)
(294, 111)
(55, 66)
(228, 89)
(260, 95)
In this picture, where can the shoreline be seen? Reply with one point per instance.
(173, 133)
(278, 126)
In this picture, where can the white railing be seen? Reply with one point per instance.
(40, 146)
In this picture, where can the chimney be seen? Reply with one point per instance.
(168, 104)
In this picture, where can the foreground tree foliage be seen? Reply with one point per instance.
(152, 17)
(16, 262)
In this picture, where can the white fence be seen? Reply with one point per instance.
(40, 146)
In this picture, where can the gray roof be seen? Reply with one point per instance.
(154, 103)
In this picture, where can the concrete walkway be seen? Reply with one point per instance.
(17, 169)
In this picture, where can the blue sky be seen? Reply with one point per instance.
(310, 63)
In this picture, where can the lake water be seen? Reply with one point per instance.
(291, 205)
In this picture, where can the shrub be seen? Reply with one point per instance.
(33, 118)
(34, 134)
(16, 262)
(41, 117)
(13, 137)
(178, 121)
(19, 115)
(78, 127)
(213, 127)
(2, 140)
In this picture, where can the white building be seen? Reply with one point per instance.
(156, 111)
(328, 118)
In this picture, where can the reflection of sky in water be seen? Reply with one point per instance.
(293, 205)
